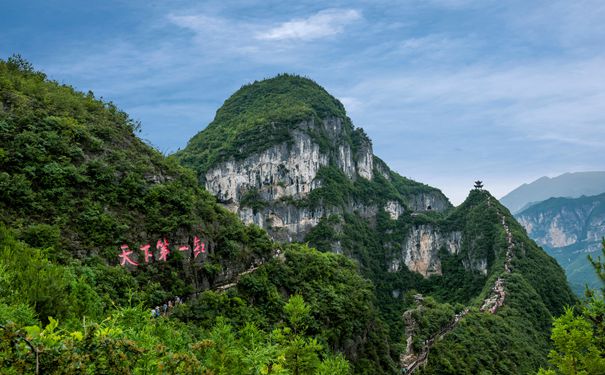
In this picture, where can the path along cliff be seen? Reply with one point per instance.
(410, 361)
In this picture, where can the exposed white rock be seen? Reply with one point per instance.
(289, 170)
(420, 251)
(557, 236)
(395, 209)
(365, 162)
(286, 222)
(428, 202)
(284, 170)
(345, 160)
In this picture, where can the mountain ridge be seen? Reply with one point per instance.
(570, 185)
(81, 194)
(569, 229)
(83, 201)
(322, 184)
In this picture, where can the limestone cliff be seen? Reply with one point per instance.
(282, 185)
(283, 155)
(560, 222)
(419, 252)
(569, 229)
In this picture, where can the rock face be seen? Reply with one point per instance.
(286, 175)
(395, 209)
(279, 178)
(283, 174)
(420, 251)
(561, 222)
(428, 202)
(569, 229)
(289, 169)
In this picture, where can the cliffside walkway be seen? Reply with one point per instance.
(410, 362)
(496, 298)
(222, 287)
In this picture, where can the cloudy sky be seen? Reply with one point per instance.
(449, 90)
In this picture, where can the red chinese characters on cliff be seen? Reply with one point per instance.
(198, 247)
(148, 254)
(163, 251)
(163, 247)
(125, 256)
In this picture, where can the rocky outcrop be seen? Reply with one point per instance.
(289, 169)
(432, 201)
(569, 229)
(420, 251)
(561, 222)
(287, 172)
(394, 209)
(284, 170)
(276, 181)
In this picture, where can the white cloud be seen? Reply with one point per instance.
(557, 98)
(322, 24)
(502, 122)
(196, 23)
(455, 4)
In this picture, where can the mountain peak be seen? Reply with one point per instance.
(278, 99)
(571, 184)
(259, 115)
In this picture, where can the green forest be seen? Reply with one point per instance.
(77, 184)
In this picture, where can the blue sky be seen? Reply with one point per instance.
(448, 90)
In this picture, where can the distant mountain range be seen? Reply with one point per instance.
(569, 229)
(568, 185)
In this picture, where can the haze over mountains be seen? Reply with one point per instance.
(569, 185)
(569, 229)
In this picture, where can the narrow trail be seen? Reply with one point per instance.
(222, 287)
(410, 361)
(496, 298)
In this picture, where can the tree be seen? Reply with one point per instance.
(599, 266)
(579, 334)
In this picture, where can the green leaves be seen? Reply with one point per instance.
(258, 116)
(578, 343)
(297, 313)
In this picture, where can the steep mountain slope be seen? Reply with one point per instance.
(319, 182)
(76, 178)
(80, 194)
(569, 185)
(569, 229)
(280, 150)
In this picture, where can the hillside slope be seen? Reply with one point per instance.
(320, 183)
(568, 185)
(569, 229)
(75, 177)
(279, 152)
(97, 228)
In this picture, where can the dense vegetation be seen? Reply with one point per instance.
(359, 227)
(76, 183)
(258, 116)
(579, 334)
(513, 341)
(216, 333)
